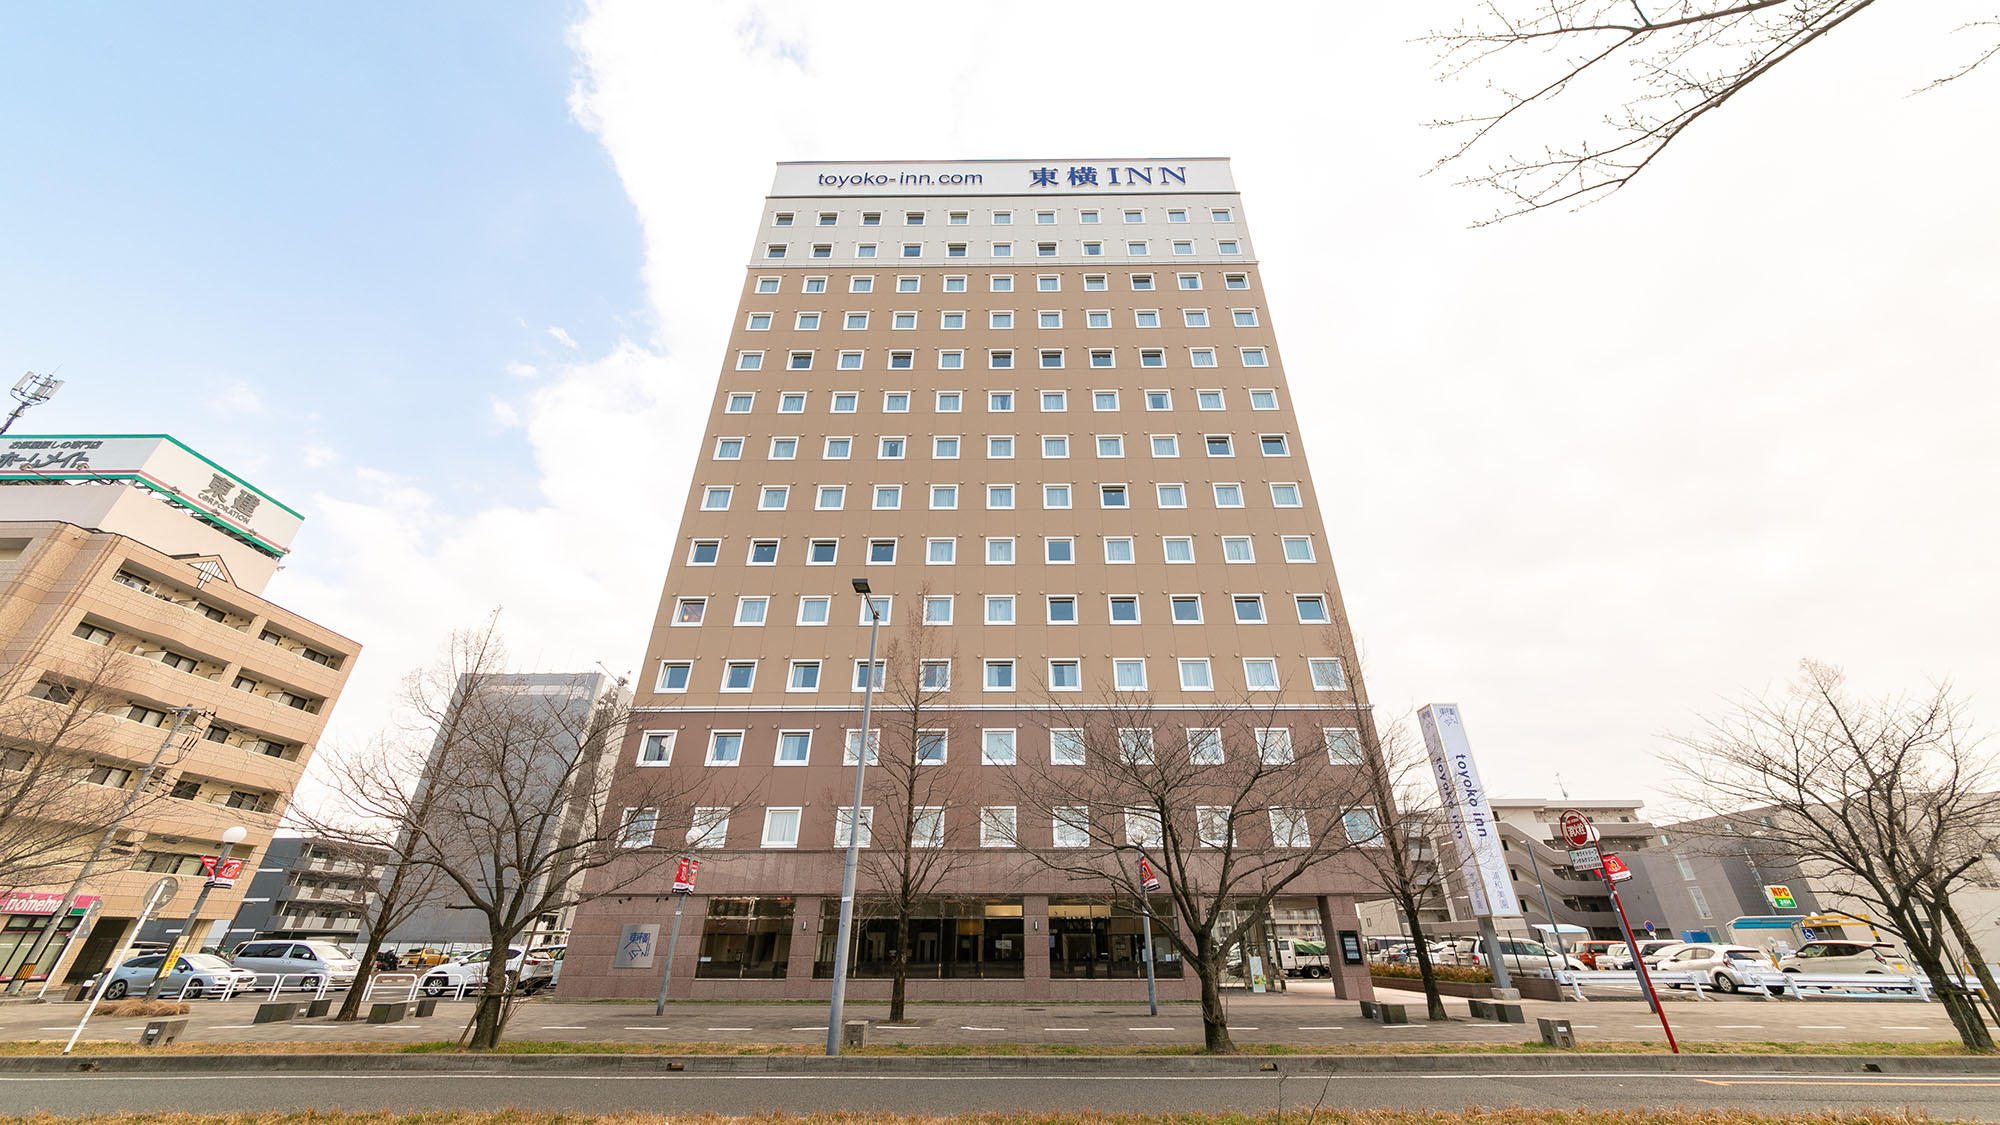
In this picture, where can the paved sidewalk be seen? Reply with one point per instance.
(1307, 1015)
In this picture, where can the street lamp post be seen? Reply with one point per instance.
(230, 838)
(32, 390)
(845, 934)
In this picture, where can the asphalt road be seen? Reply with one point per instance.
(1944, 1098)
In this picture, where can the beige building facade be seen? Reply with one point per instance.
(1040, 408)
(133, 590)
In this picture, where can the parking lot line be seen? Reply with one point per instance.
(897, 1027)
(1065, 1029)
(821, 1027)
(1323, 1027)
(729, 1029)
(975, 1028)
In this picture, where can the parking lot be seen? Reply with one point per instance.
(1306, 1015)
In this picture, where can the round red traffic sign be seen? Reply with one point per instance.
(1574, 828)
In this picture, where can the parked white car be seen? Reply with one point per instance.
(466, 970)
(1620, 957)
(542, 968)
(1529, 957)
(1727, 967)
(1830, 956)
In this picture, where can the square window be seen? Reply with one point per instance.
(764, 552)
(1142, 282)
(1194, 318)
(1237, 549)
(807, 322)
(1195, 676)
(1100, 357)
(950, 402)
(1000, 447)
(1000, 282)
(879, 607)
(881, 551)
(1000, 318)
(1260, 674)
(1000, 552)
(1289, 828)
(1190, 281)
(1054, 402)
(1229, 496)
(952, 321)
(795, 746)
(1152, 357)
(1311, 608)
(749, 361)
(861, 677)
(1249, 608)
(813, 609)
(1000, 360)
(1097, 318)
(903, 321)
(767, 285)
(999, 609)
(1228, 246)
(908, 284)
(1071, 826)
(725, 747)
(861, 284)
(1159, 400)
(890, 449)
(954, 284)
(715, 498)
(945, 448)
(996, 827)
(1172, 495)
(1219, 445)
(656, 748)
(1059, 551)
(1298, 548)
(793, 403)
(804, 677)
(1118, 549)
(1055, 496)
(759, 322)
(1055, 446)
(888, 497)
(845, 402)
(1184, 248)
(1187, 609)
(850, 751)
(815, 285)
(1201, 357)
(1274, 445)
(1136, 249)
(950, 361)
(1129, 675)
(1104, 400)
(728, 449)
(1111, 445)
(772, 498)
(1095, 283)
(674, 675)
(784, 449)
(781, 828)
(738, 404)
(913, 249)
(937, 609)
(831, 498)
(1136, 745)
(999, 497)
(1124, 609)
(864, 250)
(1362, 828)
(1065, 675)
(1285, 494)
(1343, 745)
(1050, 318)
(1243, 318)
(1003, 250)
(1236, 281)
(1000, 676)
(838, 449)
(1061, 609)
(1208, 400)
(1066, 746)
(1166, 445)
(1326, 674)
(1220, 215)
(739, 675)
(1048, 283)
(855, 321)
(1000, 402)
(941, 552)
(702, 552)
(1146, 318)
(1112, 496)
(944, 497)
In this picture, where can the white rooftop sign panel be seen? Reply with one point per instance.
(1089, 176)
(207, 491)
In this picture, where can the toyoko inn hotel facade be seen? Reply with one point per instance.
(1039, 407)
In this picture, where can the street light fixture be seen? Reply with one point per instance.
(844, 936)
(31, 390)
(231, 837)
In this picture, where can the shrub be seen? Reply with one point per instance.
(1464, 974)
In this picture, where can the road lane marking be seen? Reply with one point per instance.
(563, 1027)
(232, 1026)
(1323, 1027)
(1851, 1082)
(1774, 1079)
(821, 1027)
(896, 1027)
(648, 1029)
(1739, 1027)
(964, 1028)
(1906, 1027)
(729, 1029)
(1156, 1029)
(1822, 1027)
(1065, 1029)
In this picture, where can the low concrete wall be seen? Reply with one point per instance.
(1532, 988)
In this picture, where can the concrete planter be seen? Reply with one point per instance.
(1532, 988)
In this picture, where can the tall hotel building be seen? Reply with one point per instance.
(1038, 405)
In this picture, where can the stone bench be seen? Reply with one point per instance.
(276, 1012)
(388, 1013)
(1384, 1013)
(1499, 1013)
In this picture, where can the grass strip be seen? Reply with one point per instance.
(99, 1047)
(1512, 1116)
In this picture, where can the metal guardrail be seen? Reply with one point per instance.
(1576, 979)
(1772, 984)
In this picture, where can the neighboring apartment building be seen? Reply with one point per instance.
(1038, 406)
(550, 702)
(138, 561)
(308, 887)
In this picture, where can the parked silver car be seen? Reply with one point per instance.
(198, 973)
(1727, 967)
(303, 964)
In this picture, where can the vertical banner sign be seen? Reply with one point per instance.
(1477, 834)
(684, 873)
(1147, 879)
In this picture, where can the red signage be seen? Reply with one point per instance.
(1147, 879)
(42, 902)
(221, 872)
(684, 873)
(1615, 869)
(1575, 828)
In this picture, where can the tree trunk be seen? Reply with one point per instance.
(899, 990)
(1972, 954)
(350, 1005)
(1214, 1019)
(491, 1019)
(1964, 1016)
(1433, 1000)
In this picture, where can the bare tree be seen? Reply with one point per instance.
(516, 805)
(1231, 804)
(1681, 60)
(1395, 770)
(916, 794)
(1875, 797)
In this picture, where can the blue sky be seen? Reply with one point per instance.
(337, 226)
(447, 278)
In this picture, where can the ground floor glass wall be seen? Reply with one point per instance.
(1094, 937)
(746, 938)
(950, 938)
(17, 937)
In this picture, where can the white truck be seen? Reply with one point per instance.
(1302, 958)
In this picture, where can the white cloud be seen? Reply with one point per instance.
(319, 456)
(1581, 474)
(505, 414)
(522, 370)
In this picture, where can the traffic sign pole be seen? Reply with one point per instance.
(1638, 962)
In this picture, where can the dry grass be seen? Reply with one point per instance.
(1515, 1116)
(139, 1006)
(102, 1047)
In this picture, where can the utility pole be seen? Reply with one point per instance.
(31, 390)
(181, 715)
(844, 936)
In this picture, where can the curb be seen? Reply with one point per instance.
(992, 1066)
